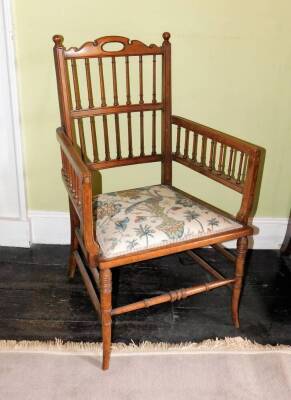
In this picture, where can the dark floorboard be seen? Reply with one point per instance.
(38, 301)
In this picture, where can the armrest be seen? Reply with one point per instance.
(215, 135)
(77, 179)
(73, 157)
(224, 158)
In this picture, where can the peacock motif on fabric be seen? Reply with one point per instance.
(138, 219)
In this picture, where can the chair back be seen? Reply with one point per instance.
(115, 101)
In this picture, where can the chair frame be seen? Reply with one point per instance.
(77, 177)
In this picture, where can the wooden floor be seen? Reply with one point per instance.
(38, 302)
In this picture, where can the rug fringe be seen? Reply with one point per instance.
(231, 344)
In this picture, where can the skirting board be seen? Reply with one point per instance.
(54, 228)
(14, 232)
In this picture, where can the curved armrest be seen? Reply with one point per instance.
(77, 179)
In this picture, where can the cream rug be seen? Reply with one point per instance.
(232, 369)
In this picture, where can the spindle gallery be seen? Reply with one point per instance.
(115, 229)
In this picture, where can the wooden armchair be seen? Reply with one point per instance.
(115, 229)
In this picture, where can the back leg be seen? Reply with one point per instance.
(74, 220)
(242, 246)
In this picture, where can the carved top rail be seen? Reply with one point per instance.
(97, 48)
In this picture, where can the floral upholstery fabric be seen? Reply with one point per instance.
(139, 219)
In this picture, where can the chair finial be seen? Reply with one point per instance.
(58, 39)
(166, 36)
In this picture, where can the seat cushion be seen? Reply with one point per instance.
(152, 216)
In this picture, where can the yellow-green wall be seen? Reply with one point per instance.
(231, 71)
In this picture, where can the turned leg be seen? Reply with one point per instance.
(105, 292)
(242, 246)
(74, 220)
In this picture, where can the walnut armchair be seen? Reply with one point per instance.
(115, 229)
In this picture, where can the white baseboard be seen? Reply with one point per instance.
(269, 233)
(49, 227)
(14, 232)
(54, 228)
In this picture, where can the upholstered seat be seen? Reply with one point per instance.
(152, 216)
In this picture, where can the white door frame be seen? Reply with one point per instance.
(14, 225)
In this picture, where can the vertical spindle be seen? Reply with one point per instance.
(106, 138)
(103, 104)
(76, 84)
(117, 134)
(63, 163)
(129, 127)
(74, 183)
(141, 133)
(89, 83)
(186, 146)
(233, 164)
(69, 177)
(78, 107)
(102, 86)
(154, 79)
(178, 140)
(141, 101)
(114, 77)
(224, 158)
(128, 102)
(203, 151)
(154, 100)
(240, 167)
(154, 134)
(79, 193)
(194, 149)
(221, 151)
(67, 171)
(91, 105)
(230, 163)
(245, 165)
(77, 188)
(116, 117)
(212, 155)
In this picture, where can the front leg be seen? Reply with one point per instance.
(106, 307)
(242, 246)
(74, 221)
